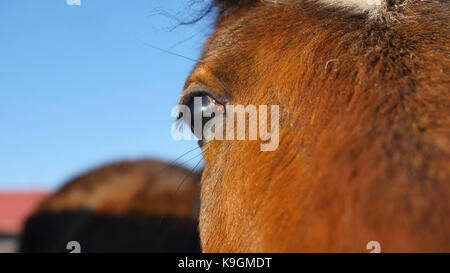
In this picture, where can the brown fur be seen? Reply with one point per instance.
(130, 206)
(364, 132)
(148, 187)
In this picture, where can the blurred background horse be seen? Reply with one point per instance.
(134, 206)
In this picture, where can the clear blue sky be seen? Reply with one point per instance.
(79, 86)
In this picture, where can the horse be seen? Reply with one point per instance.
(363, 94)
(126, 206)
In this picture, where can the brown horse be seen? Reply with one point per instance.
(130, 206)
(363, 93)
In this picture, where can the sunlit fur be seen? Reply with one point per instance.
(364, 132)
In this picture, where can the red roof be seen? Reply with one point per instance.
(15, 207)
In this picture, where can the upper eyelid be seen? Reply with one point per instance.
(199, 89)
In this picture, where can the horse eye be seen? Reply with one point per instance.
(203, 108)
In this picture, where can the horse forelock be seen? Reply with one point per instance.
(374, 8)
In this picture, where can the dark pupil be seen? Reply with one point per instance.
(203, 114)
